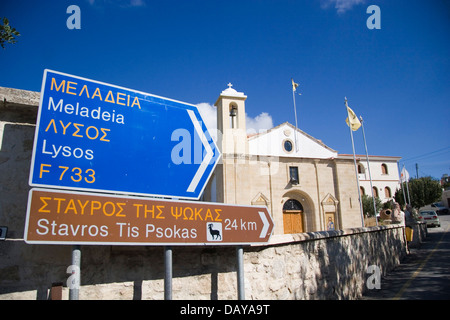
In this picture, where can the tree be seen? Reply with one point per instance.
(422, 191)
(399, 196)
(368, 205)
(7, 34)
(446, 185)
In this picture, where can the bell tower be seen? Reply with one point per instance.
(231, 122)
(232, 141)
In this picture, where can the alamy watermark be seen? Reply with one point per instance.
(374, 21)
(73, 281)
(374, 280)
(74, 20)
(188, 148)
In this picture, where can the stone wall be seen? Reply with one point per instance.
(321, 265)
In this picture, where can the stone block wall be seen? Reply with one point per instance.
(321, 265)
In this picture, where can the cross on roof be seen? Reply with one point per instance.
(229, 85)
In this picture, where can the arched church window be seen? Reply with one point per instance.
(292, 205)
(387, 192)
(233, 115)
(375, 191)
(361, 168)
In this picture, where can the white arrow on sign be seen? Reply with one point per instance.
(266, 224)
(209, 153)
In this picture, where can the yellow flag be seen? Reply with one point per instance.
(353, 119)
(294, 85)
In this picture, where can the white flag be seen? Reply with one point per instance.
(294, 85)
(352, 120)
(404, 175)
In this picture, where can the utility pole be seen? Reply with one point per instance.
(417, 171)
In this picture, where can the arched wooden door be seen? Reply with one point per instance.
(293, 216)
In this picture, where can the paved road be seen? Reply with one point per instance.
(424, 274)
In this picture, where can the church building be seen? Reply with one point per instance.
(306, 185)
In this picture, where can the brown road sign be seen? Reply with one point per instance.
(65, 217)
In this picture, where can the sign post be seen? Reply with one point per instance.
(74, 280)
(168, 273)
(240, 273)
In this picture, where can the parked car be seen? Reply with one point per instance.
(438, 207)
(430, 217)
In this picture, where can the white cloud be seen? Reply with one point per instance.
(260, 123)
(209, 116)
(341, 5)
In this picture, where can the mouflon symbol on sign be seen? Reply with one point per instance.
(214, 232)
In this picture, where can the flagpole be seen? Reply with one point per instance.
(356, 169)
(368, 166)
(295, 113)
(404, 193)
(407, 188)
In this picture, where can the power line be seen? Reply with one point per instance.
(434, 153)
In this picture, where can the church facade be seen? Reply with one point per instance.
(306, 185)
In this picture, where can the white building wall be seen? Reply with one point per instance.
(380, 179)
(271, 143)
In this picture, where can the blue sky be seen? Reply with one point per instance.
(396, 77)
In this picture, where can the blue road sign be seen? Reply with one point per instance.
(100, 137)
